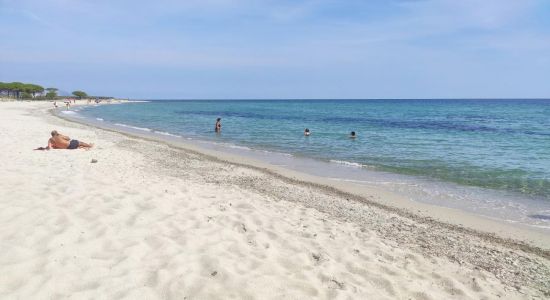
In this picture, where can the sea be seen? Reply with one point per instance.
(486, 156)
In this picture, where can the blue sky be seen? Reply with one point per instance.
(280, 49)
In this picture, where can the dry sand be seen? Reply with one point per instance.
(153, 221)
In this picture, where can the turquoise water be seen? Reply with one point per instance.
(495, 144)
(488, 157)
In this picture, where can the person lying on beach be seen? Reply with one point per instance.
(60, 141)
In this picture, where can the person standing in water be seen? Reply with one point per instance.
(306, 132)
(218, 127)
(352, 135)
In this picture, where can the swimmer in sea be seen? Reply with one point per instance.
(218, 126)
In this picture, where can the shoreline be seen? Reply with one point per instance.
(502, 205)
(161, 220)
(480, 225)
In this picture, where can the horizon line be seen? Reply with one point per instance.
(324, 99)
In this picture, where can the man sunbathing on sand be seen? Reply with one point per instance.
(59, 141)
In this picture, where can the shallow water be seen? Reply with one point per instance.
(499, 149)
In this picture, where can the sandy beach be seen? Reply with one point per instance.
(152, 220)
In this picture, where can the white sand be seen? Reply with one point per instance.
(148, 221)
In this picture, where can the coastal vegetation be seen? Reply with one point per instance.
(26, 91)
(51, 93)
(20, 90)
(80, 94)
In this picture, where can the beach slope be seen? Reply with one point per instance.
(153, 221)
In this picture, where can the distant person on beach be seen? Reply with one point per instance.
(55, 104)
(218, 127)
(306, 132)
(68, 104)
(352, 135)
(60, 141)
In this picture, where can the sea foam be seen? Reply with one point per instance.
(133, 127)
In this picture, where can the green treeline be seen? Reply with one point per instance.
(19, 90)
